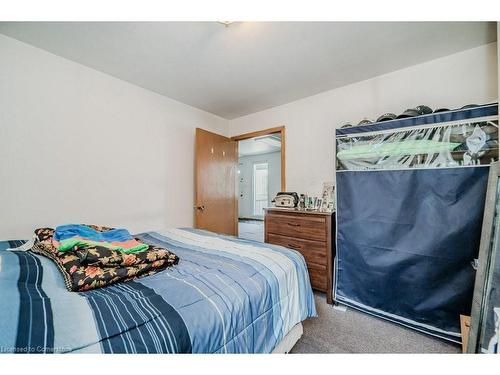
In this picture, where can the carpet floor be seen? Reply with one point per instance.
(334, 331)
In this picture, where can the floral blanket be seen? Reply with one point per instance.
(95, 266)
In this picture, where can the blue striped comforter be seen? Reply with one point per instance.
(226, 295)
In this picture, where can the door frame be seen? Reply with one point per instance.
(259, 133)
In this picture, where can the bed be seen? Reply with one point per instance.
(226, 295)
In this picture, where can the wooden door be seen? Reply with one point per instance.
(216, 161)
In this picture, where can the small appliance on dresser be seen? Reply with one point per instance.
(311, 234)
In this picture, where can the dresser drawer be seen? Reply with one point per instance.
(318, 278)
(309, 233)
(314, 252)
(307, 227)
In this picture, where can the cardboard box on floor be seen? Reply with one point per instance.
(464, 328)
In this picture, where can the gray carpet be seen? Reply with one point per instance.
(335, 331)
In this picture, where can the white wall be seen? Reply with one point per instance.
(245, 186)
(77, 145)
(452, 81)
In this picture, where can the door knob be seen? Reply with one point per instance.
(199, 208)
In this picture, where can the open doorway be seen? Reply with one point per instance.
(260, 176)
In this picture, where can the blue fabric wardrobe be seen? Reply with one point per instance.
(410, 201)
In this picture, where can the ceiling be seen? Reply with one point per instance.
(260, 145)
(248, 66)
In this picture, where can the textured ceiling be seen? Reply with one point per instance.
(248, 66)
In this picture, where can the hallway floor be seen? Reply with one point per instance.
(251, 230)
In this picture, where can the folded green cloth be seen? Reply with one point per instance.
(70, 243)
(409, 147)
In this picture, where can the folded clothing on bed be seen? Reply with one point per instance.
(93, 267)
(67, 237)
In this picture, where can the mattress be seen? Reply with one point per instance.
(226, 295)
(289, 341)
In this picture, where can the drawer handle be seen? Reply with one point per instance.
(293, 225)
(294, 246)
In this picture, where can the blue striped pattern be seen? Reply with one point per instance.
(226, 295)
(35, 331)
(148, 323)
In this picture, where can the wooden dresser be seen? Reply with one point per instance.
(311, 234)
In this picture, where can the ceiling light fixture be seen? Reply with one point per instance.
(269, 140)
(225, 23)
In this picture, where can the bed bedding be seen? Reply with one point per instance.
(67, 237)
(92, 267)
(225, 295)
